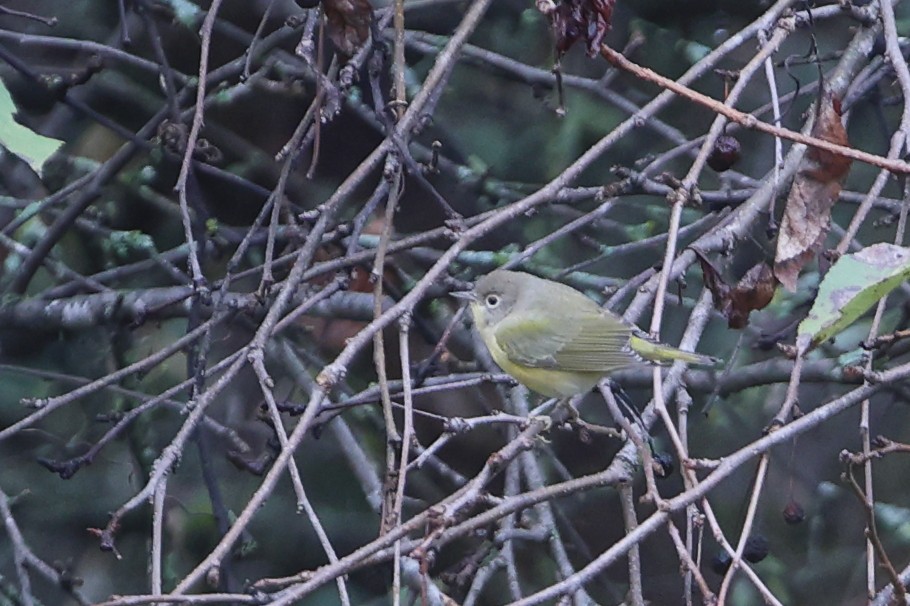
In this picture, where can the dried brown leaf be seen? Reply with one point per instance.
(573, 20)
(348, 23)
(753, 292)
(818, 182)
(720, 290)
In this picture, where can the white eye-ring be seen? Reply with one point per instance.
(492, 301)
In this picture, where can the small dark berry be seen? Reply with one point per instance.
(725, 153)
(720, 563)
(756, 548)
(794, 513)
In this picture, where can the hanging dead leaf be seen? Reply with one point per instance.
(807, 215)
(572, 20)
(348, 23)
(753, 292)
(720, 290)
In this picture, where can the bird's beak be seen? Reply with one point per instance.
(464, 295)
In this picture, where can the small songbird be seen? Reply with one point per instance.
(555, 340)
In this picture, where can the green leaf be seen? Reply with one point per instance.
(20, 141)
(211, 226)
(694, 51)
(120, 244)
(185, 13)
(853, 284)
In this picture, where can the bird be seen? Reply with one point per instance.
(554, 339)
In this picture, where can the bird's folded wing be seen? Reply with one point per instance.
(579, 342)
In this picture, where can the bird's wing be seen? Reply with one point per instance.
(579, 341)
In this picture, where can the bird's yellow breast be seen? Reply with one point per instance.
(545, 381)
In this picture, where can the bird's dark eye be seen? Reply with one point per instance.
(492, 301)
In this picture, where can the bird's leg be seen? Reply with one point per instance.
(626, 402)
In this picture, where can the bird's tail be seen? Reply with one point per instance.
(665, 354)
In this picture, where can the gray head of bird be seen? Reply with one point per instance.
(494, 295)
